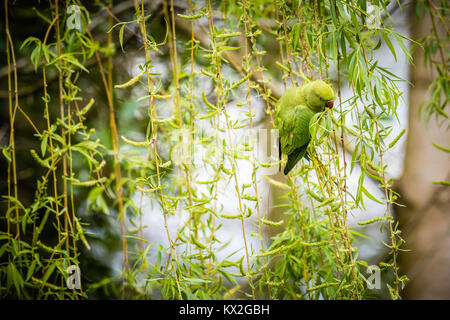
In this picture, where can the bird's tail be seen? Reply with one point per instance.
(295, 157)
(279, 154)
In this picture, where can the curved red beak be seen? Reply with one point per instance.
(330, 104)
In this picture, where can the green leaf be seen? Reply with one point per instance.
(5, 152)
(371, 197)
(359, 198)
(44, 144)
(443, 182)
(49, 272)
(121, 37)
(402, 45)
(396, 139)
(3, 249)
(15, 277)
(334, 50)
(28, 41)
(389, 44)
(295, 35)
(440, 147)
(31, 270)
(36, 56)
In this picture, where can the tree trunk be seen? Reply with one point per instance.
(425, 221)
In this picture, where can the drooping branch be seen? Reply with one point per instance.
(234, 58)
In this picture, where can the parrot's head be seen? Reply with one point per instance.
(319, 95)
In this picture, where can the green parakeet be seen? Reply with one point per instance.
(293, 114)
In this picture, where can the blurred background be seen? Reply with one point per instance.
(414, 163)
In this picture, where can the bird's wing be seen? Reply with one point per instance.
(294, 129)
(295, 157)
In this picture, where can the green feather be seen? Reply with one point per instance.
(295, 157)
(293, 114)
